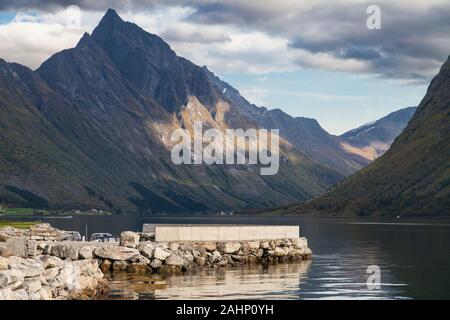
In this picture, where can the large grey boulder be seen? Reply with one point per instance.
(29, 267)
(209, 245)
(175, 260)
(187, 257)
(254, 245)
(12, 278)
(50, 274)
(5, 252)
(50, 261)
(17, 246)
(116, 253)
(280, 252)
(32, 285)
(139, 259)
(129, 239)
(88, 268)
(265, 245)
(147, 249)
(68, 277)
(300, 242)
(229, 247)
(65, 251)
(86, 252)
(9, 294)
(155, 264)
(161, 254)
(32, 247)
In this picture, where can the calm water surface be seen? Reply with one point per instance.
(413, 256)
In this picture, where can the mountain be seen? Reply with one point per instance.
(375, 138)
(91, 129)
(305, 134)
(412, 178)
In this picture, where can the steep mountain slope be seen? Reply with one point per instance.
(305, 134)
(413, 177)
(151, 65)
(36, 158)
(98, 124)
(375, 138)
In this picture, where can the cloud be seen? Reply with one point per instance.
(255, 94)
(271, 35)
(30, 39)
(184, 32)
(412, 44)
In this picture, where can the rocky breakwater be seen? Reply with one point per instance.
(169, 257)
(47, 277)
(38, 232)
(31, 269)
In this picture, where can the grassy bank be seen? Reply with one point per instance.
(18, 224)
(38, 213)
(17, 211)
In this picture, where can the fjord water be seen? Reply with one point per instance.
(413, 257)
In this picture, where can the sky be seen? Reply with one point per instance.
(311, 58)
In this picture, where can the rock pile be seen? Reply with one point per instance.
(172, 257)
(49, 277)
(163, 257)
(39, 232)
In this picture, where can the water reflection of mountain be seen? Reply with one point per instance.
(250, 282)
(280, 281)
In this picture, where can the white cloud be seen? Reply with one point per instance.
(20, 45)
(255, 95)
(31, 39)
(258, 37)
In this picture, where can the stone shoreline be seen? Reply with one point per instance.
(74, 270)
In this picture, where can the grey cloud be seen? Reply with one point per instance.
(361, 53)
(203, 36)
(36, 4)
(412, 44)
(52, 5)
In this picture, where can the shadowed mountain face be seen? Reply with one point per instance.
(413, 177)
(375, 138)
(91, 128)
(151, 65)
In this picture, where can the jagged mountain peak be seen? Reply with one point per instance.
(111, 18)
(112, 26)
(85, 39)
(112, 14)
(150, 64)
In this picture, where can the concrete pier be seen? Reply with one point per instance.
(208, 232)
